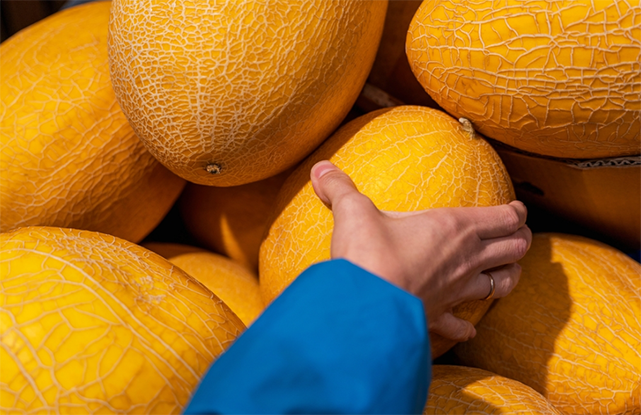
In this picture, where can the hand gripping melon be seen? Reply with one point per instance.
(90, 323)
(227, 92)
(405, 159)
(467, 390)
(571, 329)
(68, 156)
(558, 78)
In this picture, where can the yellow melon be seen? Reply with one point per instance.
(558, 78)
(405, 158)
(466, 390)
(231, 220)
(571, 329)
(227, 92)
(68, 156)
(93, 324)
(230, 281)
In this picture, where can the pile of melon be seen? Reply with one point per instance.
(155, 193)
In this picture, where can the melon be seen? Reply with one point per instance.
(232, 282)
(91, 323)
(231, 220)
(227, 92)
(467, 390)
(68, 156)
(556, 78)
(571, 329)
(405, 158)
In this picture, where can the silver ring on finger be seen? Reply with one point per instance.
(492, 287)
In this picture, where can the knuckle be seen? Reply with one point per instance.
(527, 235)
(353, 201)
(450, 223)
(511, 218)
(520, 247)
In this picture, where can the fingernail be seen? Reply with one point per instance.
(322, 168)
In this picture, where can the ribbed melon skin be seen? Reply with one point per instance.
(472, 391)
(91, 323)
(68, 156)
(571, 329)
(227, 92)
(405, 159)
(558, 78)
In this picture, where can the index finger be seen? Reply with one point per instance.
(489, 221)
(498, 221)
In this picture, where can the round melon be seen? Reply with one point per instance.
(405, 159)
(571, 329)
(557, 78)
(91, 323)
(227, 92)
(467, 390)
(231, 220)
(230, 281)
(68, 156)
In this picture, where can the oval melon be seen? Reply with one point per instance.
(467, 390)
(557, 78)
(93, 324)
(405, 158)
(571, 329)
(67, 153)
(231, 220)
(230, 92)
(230, 281)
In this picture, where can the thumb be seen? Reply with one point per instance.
(330, 183)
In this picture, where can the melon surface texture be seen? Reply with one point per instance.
(557, 78)
(231, 281)
(94, 324)
(466, 390)
(571, 329)
(405, 159)
(68, 156)
(227, 92)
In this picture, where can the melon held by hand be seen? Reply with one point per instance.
(405, 159)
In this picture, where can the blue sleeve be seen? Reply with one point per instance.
(337, 340)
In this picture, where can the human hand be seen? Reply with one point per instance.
(439, 255)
